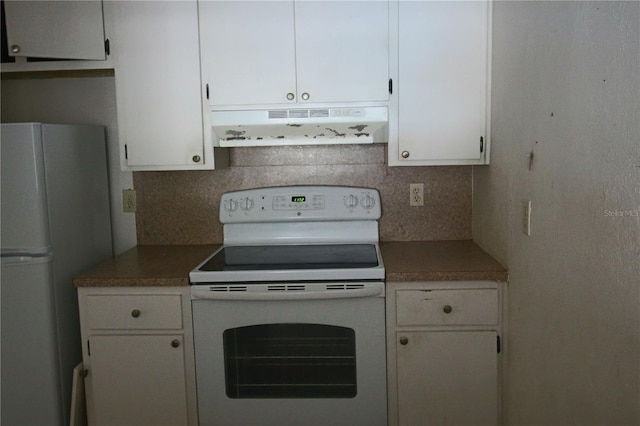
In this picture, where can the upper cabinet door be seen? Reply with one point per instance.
(158, 93)
(248, 51)
(342, 50)
(55, 29)
(443, 78)
(288, 52)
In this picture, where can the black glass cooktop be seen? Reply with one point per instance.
(286, 257)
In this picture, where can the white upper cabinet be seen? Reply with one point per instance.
(440, 114)
(55, 29)
(288, 52)
(342, 50)
(248, 51)
(155, 51)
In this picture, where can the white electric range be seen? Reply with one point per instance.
(289, 323)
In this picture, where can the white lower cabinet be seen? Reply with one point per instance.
(444, 347)
(138, 356)
(138, 380)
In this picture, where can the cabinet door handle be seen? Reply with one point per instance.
(135, 313)
(290, 96)
(196, 158)
(305, 96)
(15, 48)
(447, 309)
(405, 154)
(175, 343)
(404, 341)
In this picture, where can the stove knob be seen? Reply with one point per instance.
(351, 201)
(231, 205)
(246, 204)
(368, 202)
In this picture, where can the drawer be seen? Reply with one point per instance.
(447, 307)
(134, 312)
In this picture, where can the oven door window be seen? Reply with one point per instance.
(290, 361)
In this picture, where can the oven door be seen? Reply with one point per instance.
(291, 362)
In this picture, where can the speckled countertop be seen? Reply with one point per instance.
(169, 265)
(141, 266)
(439, 261)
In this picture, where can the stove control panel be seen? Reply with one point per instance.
(300, 203)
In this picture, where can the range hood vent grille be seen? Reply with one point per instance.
(298, 113)
(319, 112)
(278, 113)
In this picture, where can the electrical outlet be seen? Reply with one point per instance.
(129, 200)
(526, 217)
(416, 194)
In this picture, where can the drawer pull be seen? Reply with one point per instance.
(175, 343)
(447, 309)
(135, 313)
(404, 341)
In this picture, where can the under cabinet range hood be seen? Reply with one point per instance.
(300, 126)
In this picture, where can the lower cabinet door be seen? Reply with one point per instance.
(137, 380)
(447, 378)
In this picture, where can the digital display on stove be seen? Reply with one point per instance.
(298, 199)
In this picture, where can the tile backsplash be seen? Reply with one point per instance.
(182, 207)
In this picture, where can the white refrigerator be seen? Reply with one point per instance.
(55, 224)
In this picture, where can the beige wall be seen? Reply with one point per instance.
(566, 86)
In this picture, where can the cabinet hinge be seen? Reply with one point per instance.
(126, 154)
(499, 347)
(107, 47)
(481, 144)
(207, 91)
(390, 86)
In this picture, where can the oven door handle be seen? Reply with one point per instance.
(286, 295)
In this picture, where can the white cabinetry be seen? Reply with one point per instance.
(288, 52)
(55, 29)
(444, 349)
(156, 57)
(138, 356)
(440, 111)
